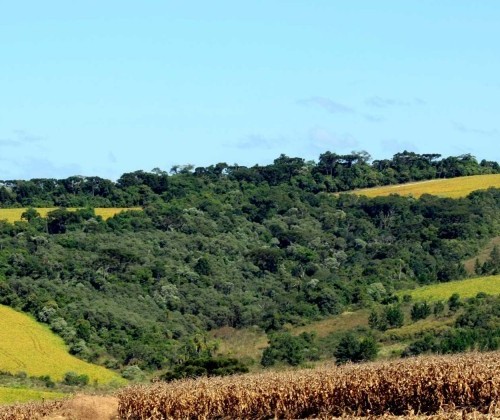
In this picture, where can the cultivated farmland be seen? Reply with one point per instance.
(425, 385)
(14, 215)
(451, 187)
(465, 288)
(30, 347)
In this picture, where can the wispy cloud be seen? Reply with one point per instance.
(256, 141)
(21, 138)
(323, 139)
(380, 102)
(327, 104)
(477, 131)
(373, 118)
(36, 167)
(396, 146)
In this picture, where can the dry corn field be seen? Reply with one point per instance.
(29, 411)
(417, 386)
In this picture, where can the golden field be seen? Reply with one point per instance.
(423, 385)
(14, 215)
(451, 187)
(28, 346)
(465, 288)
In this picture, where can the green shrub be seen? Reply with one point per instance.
(354, 349)
(290, 349)
(206, 366)
(74, 379)
(420, 310)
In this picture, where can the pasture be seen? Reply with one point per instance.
(19, 395)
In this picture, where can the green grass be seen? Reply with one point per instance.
(30, 347)
(20, 395)
(465, 288)
(452, 187)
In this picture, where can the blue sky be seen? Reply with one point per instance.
(107, 87)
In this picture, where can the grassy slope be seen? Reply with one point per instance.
(14, 215)
(452, 187)
(19, 395)
(249, 343)
(27, 346)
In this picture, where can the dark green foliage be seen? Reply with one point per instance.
(231, 246)
(420, 310)
(394, 316)
(438, 308)
(74, 379)
(476, 328)
(290, 349)
(355, 349)
(207, 366)
(454, 302)
(378, 321)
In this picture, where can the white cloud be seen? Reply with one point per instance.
(323, 139)
(328, 105)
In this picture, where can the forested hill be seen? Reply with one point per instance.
(230, 246)
(332, 173)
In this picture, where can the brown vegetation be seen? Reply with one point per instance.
(29, 411)
(423, 386)
(80, 407)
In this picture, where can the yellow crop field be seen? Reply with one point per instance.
(18, 395)
(452, 187)
(28, 346)
(465, 288)
(14, 215)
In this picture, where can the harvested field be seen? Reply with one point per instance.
(14, 215)
(451, 187)
(417, 386)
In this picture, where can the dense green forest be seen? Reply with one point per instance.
(230, 246)
(332, 173)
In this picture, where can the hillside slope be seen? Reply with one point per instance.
(27, 346)
(230, 246)
(249, 343)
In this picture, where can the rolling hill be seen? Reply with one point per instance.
(30, 347)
